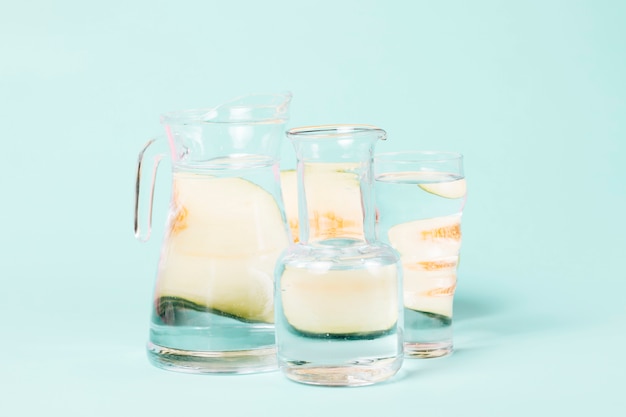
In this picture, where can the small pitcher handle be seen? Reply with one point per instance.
(140, 197)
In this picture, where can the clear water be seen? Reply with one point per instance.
(214, 289)
(258, 169)
(427, 327)
(430, 265)
(400, 195)
(191, 328)
(339, 318)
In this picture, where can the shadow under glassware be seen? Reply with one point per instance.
(420, 197)
(213, 308)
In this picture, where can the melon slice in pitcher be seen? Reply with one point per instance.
(333, 201)
(225, 237)
(340, 302)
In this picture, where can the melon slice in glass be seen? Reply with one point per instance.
(429, 251)
(427, 239)
(448, 189)
(430, 291)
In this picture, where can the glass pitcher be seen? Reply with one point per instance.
(338, 290)
(213, 307)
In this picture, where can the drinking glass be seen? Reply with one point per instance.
(420, 197)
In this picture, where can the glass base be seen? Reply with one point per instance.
(225, 362)
(418, 350)
(343, 376)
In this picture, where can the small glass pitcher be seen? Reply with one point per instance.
(338, 293)
(213, 305)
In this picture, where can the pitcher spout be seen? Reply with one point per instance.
(251, 108)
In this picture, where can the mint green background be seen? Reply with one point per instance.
(532, 92)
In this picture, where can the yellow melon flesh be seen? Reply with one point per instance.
(333, 201)
(429, 292)
(429, 252)
(340, 302)
(225, 237)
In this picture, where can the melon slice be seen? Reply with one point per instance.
(224, 239)
(340, 302)
(430, 291)
(450, 189)
(429, 239)
(429, 251)
(333, 200)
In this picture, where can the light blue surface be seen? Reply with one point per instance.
(533, 93)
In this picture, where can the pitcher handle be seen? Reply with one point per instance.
(144, 237)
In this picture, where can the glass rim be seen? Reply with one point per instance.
(335, 131)
(413, 156)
